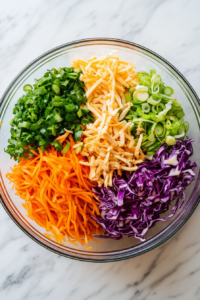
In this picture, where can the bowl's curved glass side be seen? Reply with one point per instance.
(143, 58)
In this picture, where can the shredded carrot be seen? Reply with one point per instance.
(57, 194)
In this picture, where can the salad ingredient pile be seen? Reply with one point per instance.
(156, 111)
(109, 144)
(48, 107)
(135, 202)
(58, 194)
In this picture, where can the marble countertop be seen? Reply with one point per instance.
(27, 29)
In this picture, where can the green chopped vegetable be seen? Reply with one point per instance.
(170, 140)
(27, 87)
(58, 146)
(152, 101)
(78, 149)
(78, 135)
(168, 91)
(128, 97)
(66, 148)
(159, 129)
(142, 96)
(47, 108)
(161, 114)
(145, 107)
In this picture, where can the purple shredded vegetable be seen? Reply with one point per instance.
(135, 201)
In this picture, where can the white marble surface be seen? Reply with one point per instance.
(29, 28)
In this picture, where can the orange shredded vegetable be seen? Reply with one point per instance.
(57, 194)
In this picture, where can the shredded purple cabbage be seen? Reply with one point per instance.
(136, 201)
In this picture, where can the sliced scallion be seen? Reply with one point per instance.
(186, 125)
(78, 149)
(56, 89)
(159, 130)
(160, 107)
(180, 114)
(78, 135)
(152, 101)
(66, 148)
(145, 107)
(168, 91)
(141, 88)
(128, 97)
(58, 118)
(142, 96)
(27, 87)
(79, 113)
(170, 140)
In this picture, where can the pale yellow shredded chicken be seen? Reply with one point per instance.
(108, 143)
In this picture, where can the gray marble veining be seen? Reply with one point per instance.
(29, 28)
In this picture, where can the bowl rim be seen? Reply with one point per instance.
(197, 196)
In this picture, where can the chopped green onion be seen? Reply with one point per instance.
(141, 88)
(170, 140)
(186, 125)
(151, 138)
(131, 90)
(168, 91)
(79, 113)
(56, 111)
(145, 107)
(142, 96)
(56, 88)
(57, 99)
(57, 104)
(65, 83)
(179, 136)
(180, 114)
(70, 107)
(159, 130)
(77, 70)
(156, 79)
(85, 108)
(153, 108)
(12, 141)
(155, 89)
(58, 146)
(168, 124)
(172, 118)
(27, 87)
(138, 120)
(160, 107)
(154, 147)
(152, 101)
(78, 135)
(40, 121)
(58, 118)
(66, 148)
(128, 97)
(152, 72)
(26, 125)
(148, 144)
(78, 149)
(40, 91)
(165, 111)
(59, 70)
(35, 127)
(164, 97)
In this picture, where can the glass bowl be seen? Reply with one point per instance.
(144, 59)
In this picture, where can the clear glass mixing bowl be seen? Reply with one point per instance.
(107, 250)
